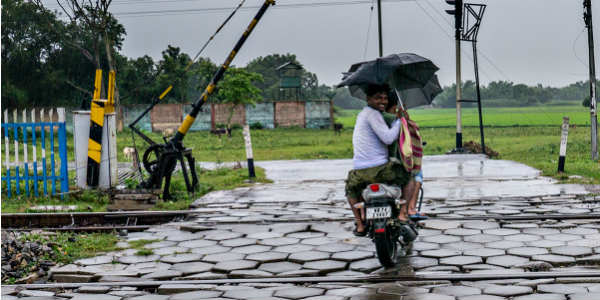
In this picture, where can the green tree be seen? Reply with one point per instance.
(238, 87)
(267, 67)
(29, 39)
(587, 102)
(201, 73)
(345, 100)
(173, 71)
(138, 80)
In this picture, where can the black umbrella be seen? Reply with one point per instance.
(410, 75)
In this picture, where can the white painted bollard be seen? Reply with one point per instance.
(249, 155)
(108, 159)
(81, 133)
(563, 144)
(109, 175)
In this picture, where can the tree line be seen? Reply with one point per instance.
(49, 58)
(49, 61)
(506, 93)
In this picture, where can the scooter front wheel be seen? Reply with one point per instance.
(387, 248)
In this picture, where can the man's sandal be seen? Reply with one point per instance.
(418, 217)
(359, 233)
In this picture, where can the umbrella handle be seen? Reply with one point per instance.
(399, 99)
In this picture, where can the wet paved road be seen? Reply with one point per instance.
(268, 231)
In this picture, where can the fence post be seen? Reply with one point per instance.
(25, 150)
(43, 131)
(563, 144)
(52, 162)
(62, 151)
(16, 138)
(7, 152)
(34, 144)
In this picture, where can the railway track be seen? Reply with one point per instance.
(327, 279)
(89, 221)
(142, 220)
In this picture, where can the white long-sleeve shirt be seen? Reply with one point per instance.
(371, 137)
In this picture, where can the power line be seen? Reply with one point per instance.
(447, 34)
(368, 30)
(254, 7)
(480, 50)
(575, 50)
(439, 13)
(226, 9)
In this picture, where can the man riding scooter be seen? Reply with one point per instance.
(371, 161)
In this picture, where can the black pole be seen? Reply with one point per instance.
(587, 17)
(379, 26)
(478, 96)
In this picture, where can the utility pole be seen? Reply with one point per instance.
(457, 12)
(587, 18)
(379, 27)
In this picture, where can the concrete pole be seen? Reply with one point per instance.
(587, 16)
(459, 143)
(379, 27)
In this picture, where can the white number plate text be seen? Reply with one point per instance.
(381, 212)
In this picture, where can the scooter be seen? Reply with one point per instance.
(380, 209)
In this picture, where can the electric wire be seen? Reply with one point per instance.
(221, 9)
(480, 50)
(216, 32)
(466, 54)
(575, 50)
(369, 30)
(169, 88)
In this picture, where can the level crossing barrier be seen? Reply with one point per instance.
(32, 139)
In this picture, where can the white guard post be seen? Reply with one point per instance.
(563, 144)
(108, 165)
(249, 154)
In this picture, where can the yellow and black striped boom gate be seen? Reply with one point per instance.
(98, 108)
(160, 160)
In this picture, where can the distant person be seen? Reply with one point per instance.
(371, 162)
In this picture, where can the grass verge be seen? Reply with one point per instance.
(87, 200)
(92, 200)
(64, 248)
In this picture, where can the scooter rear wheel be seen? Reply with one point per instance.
(387, 249)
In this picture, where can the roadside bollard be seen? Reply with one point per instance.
(563, 145)
(249, 154)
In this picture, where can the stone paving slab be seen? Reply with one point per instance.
(480, 290)
(327, 252)
(317, 240)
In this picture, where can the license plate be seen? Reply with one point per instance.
(380, 212)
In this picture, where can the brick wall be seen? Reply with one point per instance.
(289, 114)
(165, 116)
(221, 114)
(269, 114)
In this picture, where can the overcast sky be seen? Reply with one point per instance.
(528, 41)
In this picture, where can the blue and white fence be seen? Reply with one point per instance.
(33, 138)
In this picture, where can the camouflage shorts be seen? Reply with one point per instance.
(390, 173)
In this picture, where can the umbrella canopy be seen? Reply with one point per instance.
(411, 75)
